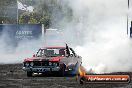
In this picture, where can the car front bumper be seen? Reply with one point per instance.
(41, 69)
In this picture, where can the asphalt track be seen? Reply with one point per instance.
(12, 76)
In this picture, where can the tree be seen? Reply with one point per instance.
(8, 11)
(47, 12)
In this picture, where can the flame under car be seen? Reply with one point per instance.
(55, 59)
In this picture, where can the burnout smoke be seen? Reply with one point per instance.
(10, 54)
(96, 29)
(104, 46)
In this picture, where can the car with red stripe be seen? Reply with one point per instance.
(58, 60)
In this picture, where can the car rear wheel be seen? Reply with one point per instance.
(82, 80)
(29, 74)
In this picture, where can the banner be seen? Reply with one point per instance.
(13, 33)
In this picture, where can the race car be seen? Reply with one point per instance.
(58, 60)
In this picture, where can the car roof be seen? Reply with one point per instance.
(58, 47)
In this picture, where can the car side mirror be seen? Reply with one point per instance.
(34, 55)
(67, 55)
(71, 55)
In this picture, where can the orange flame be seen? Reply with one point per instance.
(81, 71)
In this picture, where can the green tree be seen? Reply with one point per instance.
(47, 12)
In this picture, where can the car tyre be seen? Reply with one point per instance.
(81, 80)
(62, 71)
(29, 74)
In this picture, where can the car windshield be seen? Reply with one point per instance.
(50, 52)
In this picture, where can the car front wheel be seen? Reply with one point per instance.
(29, 74)
(62, 71)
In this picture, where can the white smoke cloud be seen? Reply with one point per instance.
(24, 49)
(104, 26)
(103, 44)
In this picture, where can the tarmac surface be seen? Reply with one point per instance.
(12, 76)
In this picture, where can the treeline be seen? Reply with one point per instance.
(8, 11)
(45, 12)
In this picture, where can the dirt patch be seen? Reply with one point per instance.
(12, 76)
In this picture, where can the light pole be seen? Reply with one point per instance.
(127, 17)
(17, 13)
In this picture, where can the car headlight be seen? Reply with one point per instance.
(50, 63)
(31, 64)
(27, 64)
(55, 64)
